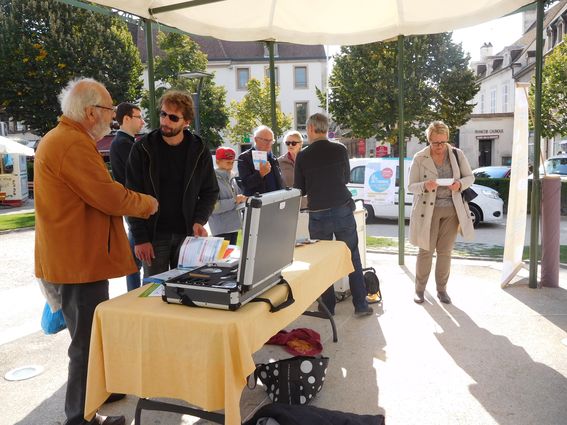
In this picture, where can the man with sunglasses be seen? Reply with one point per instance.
(129, 117)
(269, 177)
(175, 166)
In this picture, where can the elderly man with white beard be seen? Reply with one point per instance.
(80, 241)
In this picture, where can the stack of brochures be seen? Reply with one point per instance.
(195, 252)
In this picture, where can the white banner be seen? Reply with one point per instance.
(518, 191)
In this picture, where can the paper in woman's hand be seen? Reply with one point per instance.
(444, 182)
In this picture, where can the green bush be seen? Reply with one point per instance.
(502, 186)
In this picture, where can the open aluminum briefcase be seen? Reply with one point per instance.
(269, 227)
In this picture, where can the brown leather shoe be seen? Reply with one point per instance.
(444, 297)
(419, 297)
(108, 420)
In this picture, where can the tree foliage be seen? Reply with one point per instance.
(554, 93)
(255, 109)
(438, 86)
(181, 54)
(44, 44)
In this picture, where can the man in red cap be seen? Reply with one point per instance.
(225, 219)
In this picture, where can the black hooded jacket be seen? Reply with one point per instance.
(201, 187)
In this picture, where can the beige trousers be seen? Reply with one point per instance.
(444, 227)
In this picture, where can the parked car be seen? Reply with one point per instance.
(493, 172)
(556, 165)
(378, 187)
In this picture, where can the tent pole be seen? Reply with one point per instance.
(273, 93)
(536, 182)
(152, 113)
(401, 154)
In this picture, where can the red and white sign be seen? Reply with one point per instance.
(381, 150)
(387, 173)
(362, 147)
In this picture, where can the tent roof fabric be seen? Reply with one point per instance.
(320, 21)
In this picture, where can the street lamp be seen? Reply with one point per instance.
(200, 76)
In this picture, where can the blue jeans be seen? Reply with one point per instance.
(133, 280)
(166, 250)
(339, 222)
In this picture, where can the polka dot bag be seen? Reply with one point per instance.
(293, 381)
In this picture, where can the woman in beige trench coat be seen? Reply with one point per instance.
(439, 212)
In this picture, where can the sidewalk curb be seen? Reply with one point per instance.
(19, 229)
(459, 257)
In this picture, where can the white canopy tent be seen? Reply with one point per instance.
(343, 23)
(316, 21)
(8, 146)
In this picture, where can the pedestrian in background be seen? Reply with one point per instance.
(438, 210)
(80, 240)
(225, 221)
(322, 171)
(131, 122)
(268, 177)
(294, 142)
(175, 166)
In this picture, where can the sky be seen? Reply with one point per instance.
(500, 32)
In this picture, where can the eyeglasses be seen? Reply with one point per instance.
(172, 118)
(113, 109)
(438, 143)
(263, 140)
(292, 143)
(137, 116)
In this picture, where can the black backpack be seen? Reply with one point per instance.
(372, 284)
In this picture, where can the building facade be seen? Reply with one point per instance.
(487, 138)
(299, 71)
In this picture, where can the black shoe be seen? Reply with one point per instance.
(114, 397)
(364, 312)
(419, 298)
(444, 297)
(108, 420)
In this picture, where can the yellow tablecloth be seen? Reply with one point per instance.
(149, 348)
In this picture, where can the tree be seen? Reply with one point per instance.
(554, 93)
(438, 85)
(44, 44)
(254, 110)
(181, 54)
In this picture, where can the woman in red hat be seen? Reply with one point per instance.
(225, 219)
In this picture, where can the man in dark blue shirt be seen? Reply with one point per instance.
(322, 172)
(267, 177)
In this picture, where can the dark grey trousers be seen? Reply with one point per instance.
(78, 304)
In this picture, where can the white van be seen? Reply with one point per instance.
(375, 181)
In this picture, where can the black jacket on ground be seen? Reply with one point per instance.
(252, 181)
(201, 187)
(293, 414)
(119, 152)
